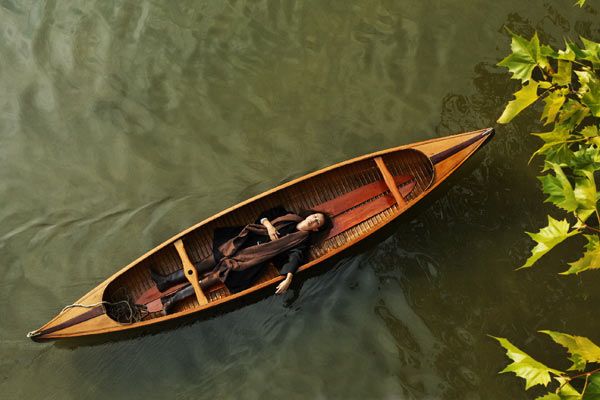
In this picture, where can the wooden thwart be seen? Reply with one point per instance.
(389, 181)
(190, 272)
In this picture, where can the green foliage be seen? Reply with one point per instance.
(568, 83)
(590, 259)
(593, 388)
(554, 102)
(564, 392)
(547, 238)
(523, 99)
(567, 80)
(534, 372)
(582, 349)
(525, 56)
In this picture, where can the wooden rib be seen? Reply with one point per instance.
(190, 272)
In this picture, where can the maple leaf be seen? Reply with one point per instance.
(590, 259)
(524, 366)
(523, 99)
(547, 238)
(582, 349)
(554, 102)
(525, 56)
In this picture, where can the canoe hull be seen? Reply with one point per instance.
(413, 170)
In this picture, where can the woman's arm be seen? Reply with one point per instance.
(284, 284)
(273, 234)
(295, 258)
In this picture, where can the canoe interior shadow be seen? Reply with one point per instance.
(258, 295)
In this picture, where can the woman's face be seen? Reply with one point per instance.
(311, 223)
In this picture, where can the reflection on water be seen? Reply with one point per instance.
(124, 122)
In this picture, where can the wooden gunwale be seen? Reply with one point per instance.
(385, 216)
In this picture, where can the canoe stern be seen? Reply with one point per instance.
(84, 317)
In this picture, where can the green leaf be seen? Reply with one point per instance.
(581, 349)
(572, 113)
(568, 53)
(523, 99)
(590, 259)
(581, 199)
(555, 148)
(559, 189)
(590, 131)
(584, 76)
(567, 392)
(563, 76)
(586, 158)
(591, 51)
(559, 134)
(589, 92)
(591, 97)
(592, 391)
(547, 51)
(560, 154)
(525, 56)
(580, 3)
(554, 102)
(578, 53)
(585, 193)
(547, 238)
(534, 372)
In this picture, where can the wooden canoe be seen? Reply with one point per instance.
(362, 194)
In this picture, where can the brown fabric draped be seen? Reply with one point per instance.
(236, 257)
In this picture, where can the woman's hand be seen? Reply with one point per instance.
(285, 284)
(273, 234)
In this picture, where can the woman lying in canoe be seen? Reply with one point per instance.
(241, 253)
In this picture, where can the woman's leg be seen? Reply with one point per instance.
(205, 265)
(163, 282)
(187, 291)
(181, 294)
(209, 280)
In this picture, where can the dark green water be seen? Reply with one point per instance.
(124, 122)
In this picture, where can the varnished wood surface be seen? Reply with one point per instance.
(190, 272)
(320, 187)
(389, 181)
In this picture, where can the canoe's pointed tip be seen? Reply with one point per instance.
(488, 132)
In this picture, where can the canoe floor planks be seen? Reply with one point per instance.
(347, 211)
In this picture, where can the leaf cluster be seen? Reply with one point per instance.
(581, 385)
(567, 82)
